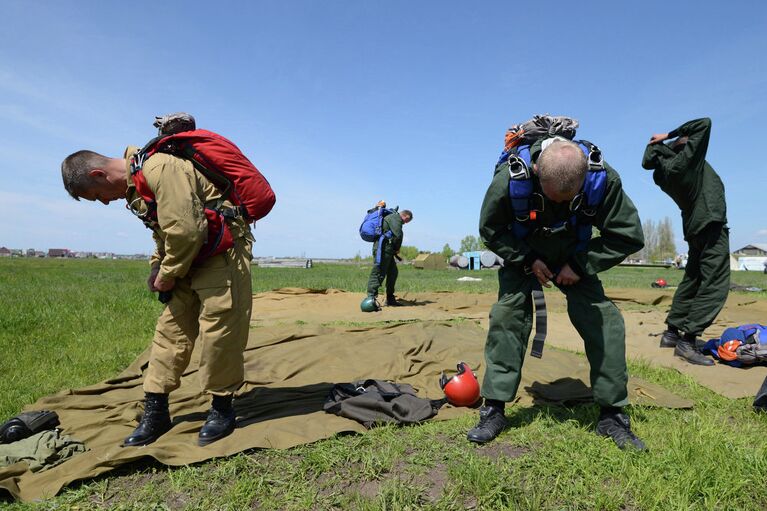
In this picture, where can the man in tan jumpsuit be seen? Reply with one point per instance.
(211, 300)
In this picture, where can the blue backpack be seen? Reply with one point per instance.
(525, 203)
(740, 346)
(372, 228)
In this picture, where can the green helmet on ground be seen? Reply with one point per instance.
(369, 304)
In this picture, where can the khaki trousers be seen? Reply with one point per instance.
(210, 306)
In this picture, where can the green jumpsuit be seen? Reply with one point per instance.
(696, 188)
(387, 269)
(596, 318)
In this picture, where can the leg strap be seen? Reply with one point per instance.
(540, 320)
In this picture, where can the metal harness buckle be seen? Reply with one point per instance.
(518, 168)
(550, 231)
(144, 217)
(595, 158)
(137, 162)
(576, 203)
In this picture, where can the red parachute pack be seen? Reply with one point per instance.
(219, 160)
(222, 163)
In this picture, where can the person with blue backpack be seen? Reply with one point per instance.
(680, 169)
(546, 197)
(383, 227)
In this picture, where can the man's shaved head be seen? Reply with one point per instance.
(75, 171)
(562, 168)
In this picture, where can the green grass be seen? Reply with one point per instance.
(72, 323)
(354, 278)
(69, 323)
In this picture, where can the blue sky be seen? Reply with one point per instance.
(341, 103)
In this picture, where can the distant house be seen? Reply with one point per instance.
(757, 249)
(58, 252)
(4, 252)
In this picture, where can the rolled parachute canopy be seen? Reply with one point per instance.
(459, 261)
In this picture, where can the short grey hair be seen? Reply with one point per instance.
(564, 165)
(75, 171)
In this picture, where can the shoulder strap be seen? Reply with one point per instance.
(592, 195)
(520, 189)
(137, 166)
(180, 145)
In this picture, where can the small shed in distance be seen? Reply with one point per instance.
(430, 262)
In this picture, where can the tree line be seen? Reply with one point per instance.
(659, 244)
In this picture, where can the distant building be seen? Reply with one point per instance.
(4, 252)
(30, 252)
(430, 262)
(58, 252)
(757, 249)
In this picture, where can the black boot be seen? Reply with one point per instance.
(154, 423)
(687, 350)
(615, 424)
(491, 422)
(220, 422)
(391, 301)
(669, 338)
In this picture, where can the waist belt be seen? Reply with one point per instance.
(540, 320)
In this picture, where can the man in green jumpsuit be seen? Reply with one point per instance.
(211, 299)
(680, 169)
(550, 253)
(384, 266)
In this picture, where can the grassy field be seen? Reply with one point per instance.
(70, 323)
(354, 278)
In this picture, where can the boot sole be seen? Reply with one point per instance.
(478, 441)
(707, 363)
(145, 442)
(202, 442)
(141, 444)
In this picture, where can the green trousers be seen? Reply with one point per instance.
(706, 283)
(596, 319)
(386, 270)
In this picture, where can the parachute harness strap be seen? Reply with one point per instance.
(540, 320)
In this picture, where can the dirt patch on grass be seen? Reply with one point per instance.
(436, 480)
(433, 481)
(123, 489)
(499, 450)
(366, 489)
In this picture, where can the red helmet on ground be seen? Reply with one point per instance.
(660, 283)
(463, 388)
(729, 350)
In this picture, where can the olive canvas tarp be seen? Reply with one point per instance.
(290, 368)
(644, 311)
